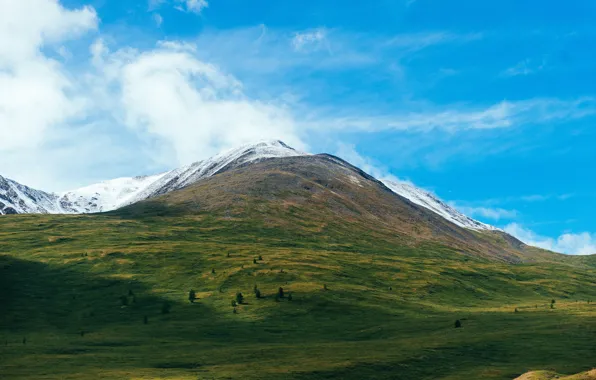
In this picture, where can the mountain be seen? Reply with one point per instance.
(113, 194)
(20, 199)
(303, 268)
(327, 193)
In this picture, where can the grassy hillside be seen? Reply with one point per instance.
(367, 301)
(549, 375)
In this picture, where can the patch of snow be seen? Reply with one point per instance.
(355, 180)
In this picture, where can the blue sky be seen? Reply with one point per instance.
(489, 104)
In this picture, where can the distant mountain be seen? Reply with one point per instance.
(113, 194)
(20, 199)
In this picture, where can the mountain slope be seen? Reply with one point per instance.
(377, 283)
(113, 194)
(20, 199)
(324, 191)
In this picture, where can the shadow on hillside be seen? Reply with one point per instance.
(41, 297)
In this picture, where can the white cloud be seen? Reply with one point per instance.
(573, 244)
(171, 96)
(36, 90)
(310, 40)
(159, 107)
(486, 212)
(196, 6)
(193, 6)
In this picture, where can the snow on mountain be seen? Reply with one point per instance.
(106, 195)
(426, 199)
(20, 199)
(179, 178)
(113, 194)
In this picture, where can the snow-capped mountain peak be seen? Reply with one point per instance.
(113, 194)
(116, 193)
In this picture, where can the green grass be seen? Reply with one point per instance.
(388, 311)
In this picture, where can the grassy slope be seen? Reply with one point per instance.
(549, 375)
(358, 328)
(388, 312)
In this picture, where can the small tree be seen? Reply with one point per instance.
(280, 292)
(235, 311)
(239, 298)
(458, 324)
(255, 288)
(234, 303)
(254, 261)
(552, 305)
(228, 254)
(324, 286)
(192, 296)
(290, 297)
(552, 302)
(130, 293)
(516, 310)
(213, 271)
(260, 258)
(165, 308)
(258, 293)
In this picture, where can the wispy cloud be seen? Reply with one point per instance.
(573, 244)
(310, 40)
(417, 41)
(349, 153)
(525, 67)
(533, 198)
(158, 19)
(546, 197)
(486, 212)
(505, 114)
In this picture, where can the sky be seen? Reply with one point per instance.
(491, 104)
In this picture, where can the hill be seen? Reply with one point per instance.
(376, 283)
